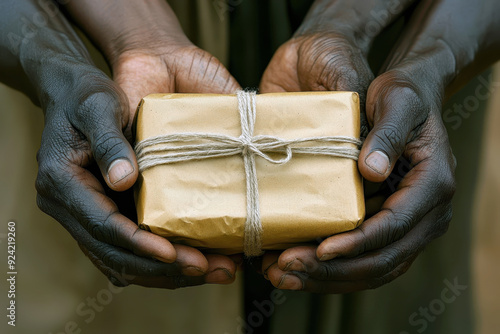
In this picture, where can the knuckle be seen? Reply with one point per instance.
(331, 270)
(101, 229)
(112, 259)
(96, 102)
(450, 183)
(95, 94)
(400, 224)
(395, 92)
(383, 264)
(391, 138)
(335, 63)
(325, 272)
(50, 174)
(42, 203)
(95, 108)
(107, 145)
(443, 223)
(97, 229)
(446, 183)
(448, 214)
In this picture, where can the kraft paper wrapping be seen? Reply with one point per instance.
(203, 203)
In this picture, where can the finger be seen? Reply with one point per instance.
(111, 258)
(334, 62)
(422, 190)
(175, 282)
(416, 75)
(74, 189)
(295, 258)
(123, 268)
(397, 108)
(283, 279)
(301, 281)
(101, 117)
(221, 269)
(281, 72)
(191, 260)
(269, 259)
(370, 265)
(326, 62)
(206, 74)
(123, 277)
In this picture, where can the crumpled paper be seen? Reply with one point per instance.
(203, 203)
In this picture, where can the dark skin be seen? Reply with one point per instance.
(444, 45)
(432, 59)
(88, 120)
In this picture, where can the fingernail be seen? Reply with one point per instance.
(290, 282)
(295, 265)
(378, 161)
(163, 259)
(119, 169)
(326, 257)
(219, 275)
(267, 269)
(192, 271)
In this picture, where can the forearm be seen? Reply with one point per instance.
(459, 38)
(118, 26)
(36, 41)
(360, 21)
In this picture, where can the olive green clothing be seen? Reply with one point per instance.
(56, 283)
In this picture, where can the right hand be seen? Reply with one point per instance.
(444, 42)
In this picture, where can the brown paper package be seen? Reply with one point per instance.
(202, 203)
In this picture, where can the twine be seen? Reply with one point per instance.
(173, 148)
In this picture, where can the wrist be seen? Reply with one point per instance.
(148, 39)
(128, 26)
(61, 73)
(53, 62)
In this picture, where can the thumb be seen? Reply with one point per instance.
(396, 109)
(101, 116)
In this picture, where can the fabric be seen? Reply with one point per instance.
(55, 280)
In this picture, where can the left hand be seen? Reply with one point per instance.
(403, 108)
(149, 53)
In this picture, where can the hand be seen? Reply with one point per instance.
(329, 50)
(148, 51)
(86, 114)
(156, 58)
(403, 108)
(86, 127)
